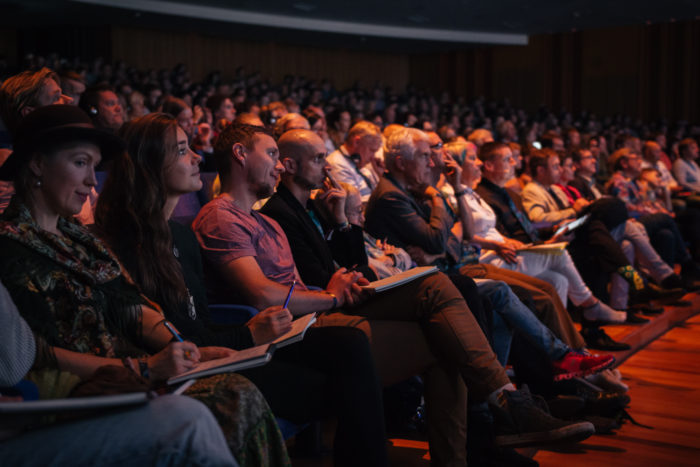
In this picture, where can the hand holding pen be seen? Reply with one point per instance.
(271, 322)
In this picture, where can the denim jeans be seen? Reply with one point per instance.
(510, 313)
(168, 431)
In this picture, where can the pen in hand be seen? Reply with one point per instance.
(172, 330)
(289, 295)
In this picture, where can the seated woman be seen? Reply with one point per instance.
(71, 290)
(169, 430)
(330, 371)
(503, 252)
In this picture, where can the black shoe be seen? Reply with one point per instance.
(654, 292)
(633, 318)
(518, 422)
(689, 282)
(602, 404)
(672, 282)
(596, 338)
(647, 309)
(603, 425)
(565, 407)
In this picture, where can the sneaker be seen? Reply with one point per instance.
(610, 380)
(518, 422)
(575, 364)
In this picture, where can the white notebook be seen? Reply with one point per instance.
(240, 360)
(74, 403)
(400, 278)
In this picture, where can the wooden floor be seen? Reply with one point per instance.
(664, 380)
(663, 372)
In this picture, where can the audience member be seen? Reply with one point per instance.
(299, 381)
(88, 312)
(362, 143)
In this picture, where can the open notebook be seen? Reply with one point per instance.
(400, 278)
(73, 403)
(248, 358)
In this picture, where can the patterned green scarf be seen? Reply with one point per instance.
(68, 287)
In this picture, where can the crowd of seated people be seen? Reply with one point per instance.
(329, 190)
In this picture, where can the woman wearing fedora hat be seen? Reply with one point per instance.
(71, 290)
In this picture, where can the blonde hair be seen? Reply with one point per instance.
(363, 129)
(20, 91)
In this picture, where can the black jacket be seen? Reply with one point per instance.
(313, 254)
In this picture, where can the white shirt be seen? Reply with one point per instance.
(483, 216)
(343, 169)
(666, 177)
(687, 173)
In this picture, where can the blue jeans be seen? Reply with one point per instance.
(510, 313)
(168, 431)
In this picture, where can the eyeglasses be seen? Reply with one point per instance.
(436, 146)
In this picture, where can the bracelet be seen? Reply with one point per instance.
(344, 227)
(460, 193)
(143, 368)
(335, 299)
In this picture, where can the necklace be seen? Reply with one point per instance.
(191, 310)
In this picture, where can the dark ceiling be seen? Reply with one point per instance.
(504, 16)
(297, 21)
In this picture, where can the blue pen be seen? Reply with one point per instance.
(289, 295)
(177, 336)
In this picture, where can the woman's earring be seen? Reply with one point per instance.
(37, 183)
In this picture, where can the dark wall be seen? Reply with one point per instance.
(644, 71)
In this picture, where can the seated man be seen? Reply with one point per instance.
(430, 232)
(169, 430)
(685, 168)
(248, 252)
(301, 153)
(19, 95)
(661, 228)
(363, 141)
(541, 198)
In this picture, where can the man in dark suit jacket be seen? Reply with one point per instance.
(317, 237)
(425, 228)
(586, 169)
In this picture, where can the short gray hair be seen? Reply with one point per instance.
(402, 143)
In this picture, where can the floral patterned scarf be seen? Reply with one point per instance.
(69, 287)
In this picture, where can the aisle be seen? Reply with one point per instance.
(664, 381)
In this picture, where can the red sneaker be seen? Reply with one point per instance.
(575, 365)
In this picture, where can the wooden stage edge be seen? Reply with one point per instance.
(639, 336)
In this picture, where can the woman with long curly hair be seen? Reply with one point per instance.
(330, 371)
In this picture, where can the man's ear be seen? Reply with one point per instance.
(238, 152)
(400, 163)
(290, 165)
(488, 165)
